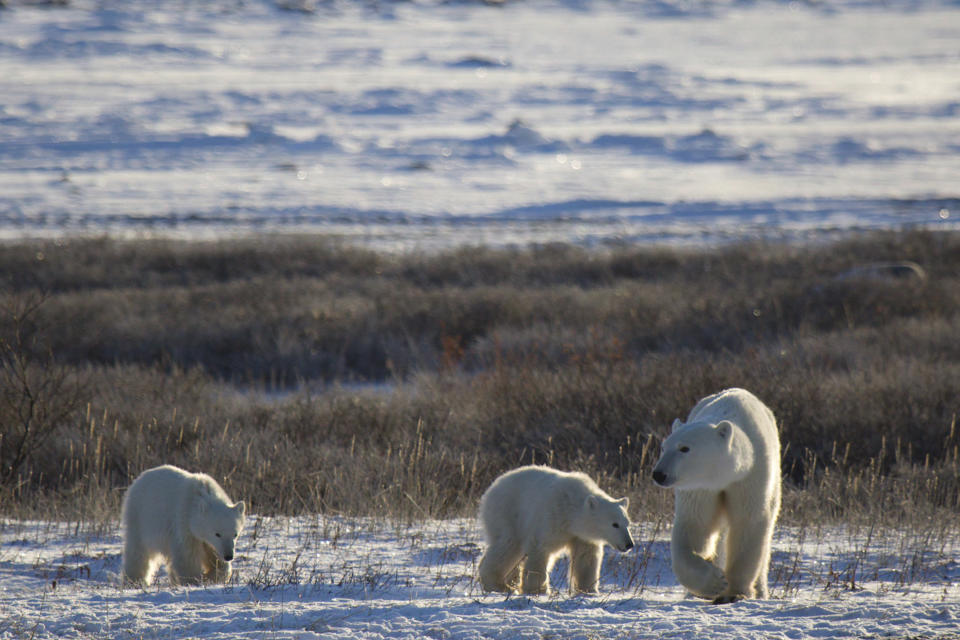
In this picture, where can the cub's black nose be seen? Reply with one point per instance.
(659, 477)
(629, 545)
(228, 557)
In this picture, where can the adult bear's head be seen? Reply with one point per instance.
(702, 455)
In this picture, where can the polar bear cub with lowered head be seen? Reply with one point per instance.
(534, 514)
(184, 519)
(724, 464)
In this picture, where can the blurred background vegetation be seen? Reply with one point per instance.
(310, 376)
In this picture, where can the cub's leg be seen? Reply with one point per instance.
(585, 560)
(137, 562)
(536, 571)
(214, 569)
(499, 566)
(184, 567)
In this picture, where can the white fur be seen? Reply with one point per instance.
(724, 465)
(534, 514)
(181, 518)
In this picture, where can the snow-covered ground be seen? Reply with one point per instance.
(325, 577)
(426, 123)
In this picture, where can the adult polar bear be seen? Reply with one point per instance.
(724, 464)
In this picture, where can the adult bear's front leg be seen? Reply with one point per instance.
(694, 541)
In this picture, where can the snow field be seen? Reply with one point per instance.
(421, 125)
(326, 577)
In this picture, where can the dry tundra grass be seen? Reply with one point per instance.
(312, 377)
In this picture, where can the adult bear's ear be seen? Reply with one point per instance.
(624, 502)
(724, 429)
(240, 508)
(591, 502)
(676, 425)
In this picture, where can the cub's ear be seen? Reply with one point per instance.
(676, 425)
(591, 502)
(624, 502)
(724, 429)
(240, 508)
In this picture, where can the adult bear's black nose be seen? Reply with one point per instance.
(629, 545)
(228, 557)
(659, 476)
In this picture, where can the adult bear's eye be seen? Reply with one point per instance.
(217, 534)
(616, 525)
(683, 449)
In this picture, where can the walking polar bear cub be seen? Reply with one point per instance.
(724, 464)
(185, 519)
(534, 514)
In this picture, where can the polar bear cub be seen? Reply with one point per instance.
(184, 519)
(534, 514)
(724, 464)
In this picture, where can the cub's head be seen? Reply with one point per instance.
(701, 455)
(606, 520)
(217, 523)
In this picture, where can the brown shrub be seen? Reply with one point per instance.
(485, 359)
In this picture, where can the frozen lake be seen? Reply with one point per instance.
(425, 124)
